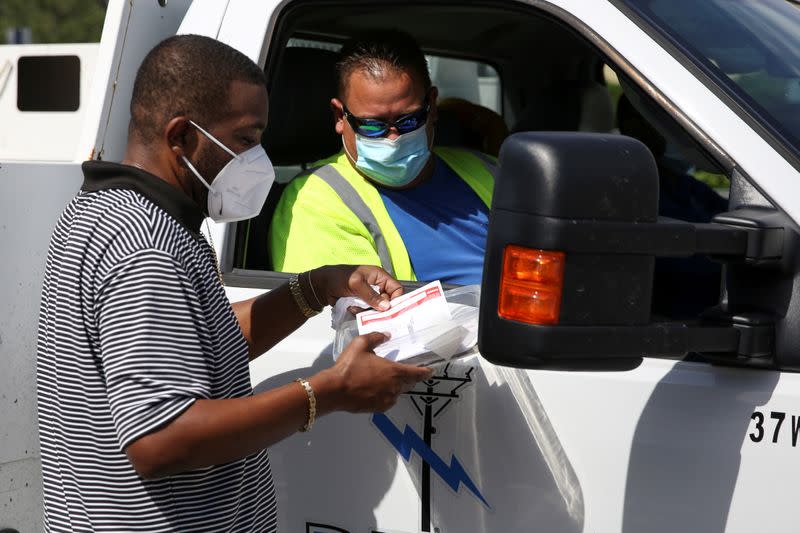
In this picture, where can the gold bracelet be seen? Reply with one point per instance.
(312, 404)
(310, 284)
(300, 300)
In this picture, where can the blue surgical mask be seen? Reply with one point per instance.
(394, 163)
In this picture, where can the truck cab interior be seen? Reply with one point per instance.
(535, 70)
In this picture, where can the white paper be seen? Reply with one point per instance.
(408, 313)
(423, 326)
(438, 342)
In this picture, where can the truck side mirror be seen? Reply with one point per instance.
(568, 272)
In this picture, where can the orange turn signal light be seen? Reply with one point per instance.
(531, 285)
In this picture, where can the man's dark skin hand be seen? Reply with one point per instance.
(217, 431)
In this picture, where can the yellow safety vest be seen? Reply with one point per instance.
(332, 215)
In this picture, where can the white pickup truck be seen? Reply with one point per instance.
(635, 401)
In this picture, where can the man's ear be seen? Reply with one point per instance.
(337, 107)
(180, 137)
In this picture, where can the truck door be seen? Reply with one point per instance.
(523, 436)
(471, 450)
(710, 430)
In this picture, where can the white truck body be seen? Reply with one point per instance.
(42, 135)
(668, 446)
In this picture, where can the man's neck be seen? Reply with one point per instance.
(141, 157)
(425, 173)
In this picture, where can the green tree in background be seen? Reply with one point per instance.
(54, 21)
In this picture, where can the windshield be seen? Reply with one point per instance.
(750, 47)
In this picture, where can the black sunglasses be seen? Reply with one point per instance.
(372, 128)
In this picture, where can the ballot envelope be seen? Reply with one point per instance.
(426, 325)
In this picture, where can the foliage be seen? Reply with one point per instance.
(715, 181)
(54, 21)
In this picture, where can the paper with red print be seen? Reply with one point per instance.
(408, 313)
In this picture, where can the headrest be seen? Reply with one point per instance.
(549, 109)
(572, 106)
(462, 123)
(300, 125)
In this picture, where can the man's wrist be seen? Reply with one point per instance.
(312, 404)
(329, 389)
(309, 291)
(297, 292)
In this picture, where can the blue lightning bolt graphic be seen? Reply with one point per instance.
(409, 441)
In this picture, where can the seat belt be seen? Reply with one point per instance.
(353, 200)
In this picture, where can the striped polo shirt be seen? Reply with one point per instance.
(134, 327)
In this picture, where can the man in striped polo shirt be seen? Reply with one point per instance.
(147, 418)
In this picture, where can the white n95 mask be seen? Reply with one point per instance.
(241, 187)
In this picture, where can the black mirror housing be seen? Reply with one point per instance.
(593, 200)
(575, 193)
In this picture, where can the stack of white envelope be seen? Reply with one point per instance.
(426, 325)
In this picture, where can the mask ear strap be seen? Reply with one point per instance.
(214, 139)
(196, 173)
(346, 151)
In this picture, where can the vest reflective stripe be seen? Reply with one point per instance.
(356, 204)
(476, 169)
(488, 162)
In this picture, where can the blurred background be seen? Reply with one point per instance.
(51, 21)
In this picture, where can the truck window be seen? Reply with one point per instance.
(457, 79)
(305, 59)
(35, 90)
(475, 81)
(751, 51)
(673, 155)
(541, 75)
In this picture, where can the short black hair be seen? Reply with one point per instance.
(373, 51)
(186, 75)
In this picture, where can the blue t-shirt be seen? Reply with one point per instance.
(443, 224)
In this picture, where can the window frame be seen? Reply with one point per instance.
(269, 279)
(711, 81)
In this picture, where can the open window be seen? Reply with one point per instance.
(300, 69)
(533, 69)
(510, 59)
